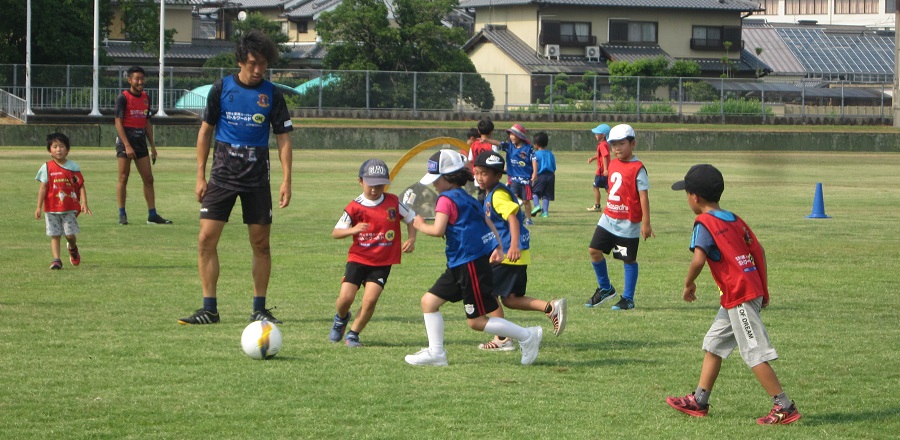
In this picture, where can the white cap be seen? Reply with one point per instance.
(620, 132)
(443, 162)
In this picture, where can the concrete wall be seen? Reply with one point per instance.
(103, 135)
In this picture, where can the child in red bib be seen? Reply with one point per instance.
(373, 220)
(738, 265)
(62, 197)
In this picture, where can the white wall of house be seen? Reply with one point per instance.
(509, 82)
(777, 13)
(177, 18)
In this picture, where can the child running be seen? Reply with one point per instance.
(511, 276)
(738, 265)
(544, 182)
(373, 220)
(624, 222)
(62, 196)
(471, 248)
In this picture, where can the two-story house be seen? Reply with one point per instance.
(523, 38)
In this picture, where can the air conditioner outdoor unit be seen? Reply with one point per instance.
(592, 52)
(551, 51)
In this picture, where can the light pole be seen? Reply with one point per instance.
(162, 53)
(28, 111)
(95, 89)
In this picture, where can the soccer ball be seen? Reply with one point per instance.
(261, 340)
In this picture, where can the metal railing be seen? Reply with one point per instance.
(13, 106)
(68, 88)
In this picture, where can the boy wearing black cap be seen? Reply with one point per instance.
(373, 220)
(510, 276)
(738, 265)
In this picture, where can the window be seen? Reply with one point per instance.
(770, 6)
(890, 6)
(302, 27)
(623, 31)
(855, 6)
(578, 33)
(808, 7)
(714, 37)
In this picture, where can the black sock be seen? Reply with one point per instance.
(352, 335)
(548, 308)
(210, 305)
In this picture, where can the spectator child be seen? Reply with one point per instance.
(544, 182)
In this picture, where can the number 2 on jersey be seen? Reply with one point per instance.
(616, 179)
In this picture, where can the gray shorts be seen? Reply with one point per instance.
(740, 327)
(61, 223)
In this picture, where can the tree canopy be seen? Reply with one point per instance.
(140, 19)
(360, 35)
(62, 31)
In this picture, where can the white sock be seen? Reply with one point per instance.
(500, 326)
(434, 327)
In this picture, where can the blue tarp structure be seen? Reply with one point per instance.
(314, 84)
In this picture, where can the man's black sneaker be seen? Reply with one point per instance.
(264, 315)
(158, 220)
(200, 317)
(123, 219)
(600, 296)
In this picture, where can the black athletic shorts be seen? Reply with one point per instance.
(622, 248)
(544, 186)
(138, 140)
(358, 273)
(472, 283)
(510, 279)
(218, 202)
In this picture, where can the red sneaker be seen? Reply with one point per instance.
(780, 416)
(688, 405)
(74, 256)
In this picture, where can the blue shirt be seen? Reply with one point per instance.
(518, 160)
(546, 161)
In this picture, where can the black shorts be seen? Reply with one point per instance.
(544, 186)
(138, 140)
(358, 273)
(622, 248)
(601, 181)
(218, 202)
(510, 279)
(472, 283)
(521, 190)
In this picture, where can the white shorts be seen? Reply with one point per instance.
(61, 223)
(740, 327)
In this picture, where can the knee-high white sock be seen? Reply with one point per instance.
(434, 327)
(500, 326)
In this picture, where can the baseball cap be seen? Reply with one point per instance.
(375, 172)
(704, 180)
(620, 132)
(519, 131)
(601, 129)
(490, 159)
(443, 162)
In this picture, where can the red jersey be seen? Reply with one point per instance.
(623, 201)
(136, 109)
(602, 151)
(381, 244)
(478, 147)
(63, 189)
(738, 276)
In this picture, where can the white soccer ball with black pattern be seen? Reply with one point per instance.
(261, 340)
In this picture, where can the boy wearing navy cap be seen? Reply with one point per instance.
(738, 265)
(373, 220)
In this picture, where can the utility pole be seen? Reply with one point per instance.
(896, 103)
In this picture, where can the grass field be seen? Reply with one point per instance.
(95, 352)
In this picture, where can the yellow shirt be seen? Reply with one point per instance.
(503, 204)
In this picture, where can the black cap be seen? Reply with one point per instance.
(490, 159)
(704, 180)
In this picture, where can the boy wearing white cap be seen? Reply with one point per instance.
(373, 220)
(471, 248)
(625, 220)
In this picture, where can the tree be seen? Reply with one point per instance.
(140, 19)
(53, 42)
(360, 37)
(654, 72)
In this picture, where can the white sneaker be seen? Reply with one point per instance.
(557, 315)
(531, 345)
(425, 357)
(498, 345)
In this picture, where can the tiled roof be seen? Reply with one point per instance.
(257, 4)
(633, 53)
(525, 56)
(747, 64)
(197, 50)
(724, 5)
(309, 8)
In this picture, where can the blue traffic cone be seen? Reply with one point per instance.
(818, 210)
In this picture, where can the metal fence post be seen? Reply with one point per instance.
(595, 97)
(506, 96)
(762, 103)
(460, 100)
(368, 89)
(842, 99)
(321, 88)
(680, 99)
(722, 101)
(68, 85)
(803, 101)
(415, 93)
(551, 96)
(637, 98)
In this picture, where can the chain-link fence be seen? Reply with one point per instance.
(62, 88)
